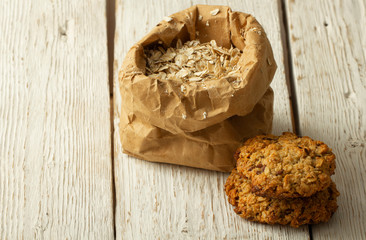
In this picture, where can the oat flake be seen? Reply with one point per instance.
(215, 12)
(183, 88)
(167, 19)
(269, 61)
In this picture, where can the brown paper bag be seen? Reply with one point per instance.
(151, 123)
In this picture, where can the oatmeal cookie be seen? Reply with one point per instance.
(286, 166)
(293, 211)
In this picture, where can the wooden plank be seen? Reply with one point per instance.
(328, 45)
(55, 154)
(161, 201)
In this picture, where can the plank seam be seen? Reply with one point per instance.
(289, 70)
(111, 23)
(291, 78)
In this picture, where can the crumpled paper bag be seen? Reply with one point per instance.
(151, 123)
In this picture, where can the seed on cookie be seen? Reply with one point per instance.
(286, 166)
(293, 211)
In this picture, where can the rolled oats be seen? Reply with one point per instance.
(215, 12)
(193, 62)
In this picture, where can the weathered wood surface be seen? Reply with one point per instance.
(55, 145)
(328, 46)
(161, 201)
(55, 148)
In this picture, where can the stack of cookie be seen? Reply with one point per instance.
(283, 180)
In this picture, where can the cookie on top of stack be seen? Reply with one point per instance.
(283, 180)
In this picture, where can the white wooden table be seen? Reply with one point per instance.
(62, 171)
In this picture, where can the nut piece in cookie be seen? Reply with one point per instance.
(293, 211)
(286, 166)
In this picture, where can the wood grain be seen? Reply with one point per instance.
(55, 154)
(161, 201)
(328, 47)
